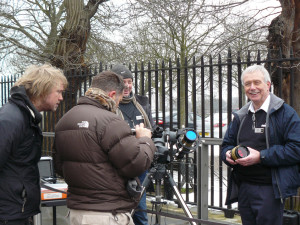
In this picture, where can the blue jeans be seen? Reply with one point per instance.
(139, 217)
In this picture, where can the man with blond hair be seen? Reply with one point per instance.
(39, 89)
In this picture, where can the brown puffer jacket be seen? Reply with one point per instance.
(96, 153)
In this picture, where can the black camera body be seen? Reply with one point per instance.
(186, 141)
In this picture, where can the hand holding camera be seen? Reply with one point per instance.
(141, 131)
(239, 151)
(243, 155)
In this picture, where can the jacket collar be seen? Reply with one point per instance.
(84, 100)
(20, 98)
(275, 104)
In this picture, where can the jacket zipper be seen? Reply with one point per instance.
(275, 171)
(24, 196)
(240, 127)
(281, 199)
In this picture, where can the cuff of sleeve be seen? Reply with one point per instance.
(262, 156)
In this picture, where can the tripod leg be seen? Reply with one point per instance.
(158, 200)
(181, 201)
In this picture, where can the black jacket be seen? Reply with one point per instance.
(20, 151)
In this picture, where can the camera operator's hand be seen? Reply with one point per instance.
(141, 131)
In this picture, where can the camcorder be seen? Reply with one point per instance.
(183, 141)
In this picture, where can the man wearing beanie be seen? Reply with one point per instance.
(134, 109)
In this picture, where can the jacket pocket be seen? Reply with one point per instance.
(11, 196)
(33, 195)
(289, 180)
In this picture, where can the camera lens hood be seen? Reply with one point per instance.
(239, 151)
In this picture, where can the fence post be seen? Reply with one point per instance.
(202, 171)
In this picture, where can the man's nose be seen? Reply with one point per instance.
(60, 97)
(252, 86)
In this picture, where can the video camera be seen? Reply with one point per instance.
(186, 141)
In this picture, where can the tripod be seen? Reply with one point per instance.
(158, 172)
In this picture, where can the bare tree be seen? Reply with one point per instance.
(57, 31)
(185, 29)
(284, 34)
(31, 29)
(70, 46)
(244, 35)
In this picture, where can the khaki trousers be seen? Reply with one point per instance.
(83, 217)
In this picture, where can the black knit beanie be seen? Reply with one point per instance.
(122, 71)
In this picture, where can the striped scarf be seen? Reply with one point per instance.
(102, 97)
(131, 98)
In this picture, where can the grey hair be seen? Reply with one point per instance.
(254, 68)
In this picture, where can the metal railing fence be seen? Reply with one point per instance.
(204, 91)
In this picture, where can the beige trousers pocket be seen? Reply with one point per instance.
(96, 220)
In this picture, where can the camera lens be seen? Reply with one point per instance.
(239, 152)
(190, 136)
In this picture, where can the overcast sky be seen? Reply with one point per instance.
(267, 6)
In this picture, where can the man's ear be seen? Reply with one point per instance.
(269, 85)
(112, 94)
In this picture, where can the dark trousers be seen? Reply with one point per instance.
(258, 206)
(139, 217)
(27, 221)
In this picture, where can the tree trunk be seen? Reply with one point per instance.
(284, 35)
(71, 44)
(70, 49)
